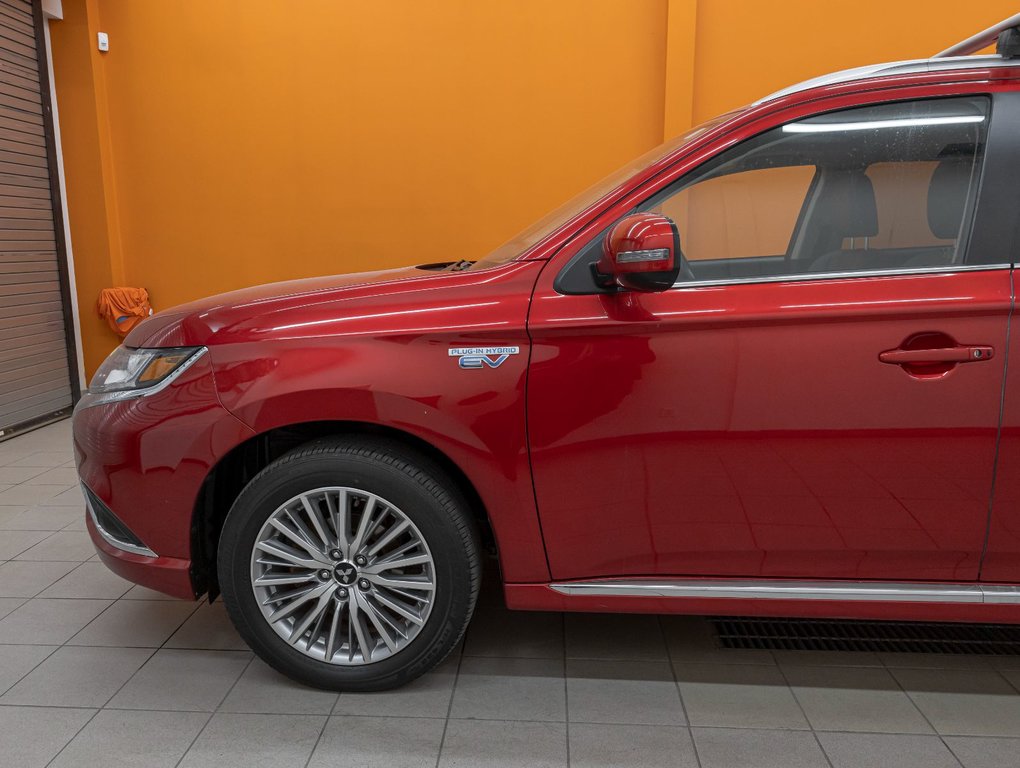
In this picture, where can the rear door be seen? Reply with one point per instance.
(822, 400)
(1001, 197)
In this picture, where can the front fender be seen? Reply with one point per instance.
(475, 417)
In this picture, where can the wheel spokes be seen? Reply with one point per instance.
(400, 582)
(321, 608)
(295, 601)
(317, 521)
(373, 616)
(283, 579)
(338, 514)
(314, 616)
(397, 608)
(383, 541)
(390, 565)
(300, 540)
(290, 557)
(366, 525)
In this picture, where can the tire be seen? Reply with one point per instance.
(385, 627)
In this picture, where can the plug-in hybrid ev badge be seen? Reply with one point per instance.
(481, 357)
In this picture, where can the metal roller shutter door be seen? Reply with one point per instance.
(35, 374)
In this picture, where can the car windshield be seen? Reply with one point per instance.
(553, 220)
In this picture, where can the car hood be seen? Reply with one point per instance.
(197, 322)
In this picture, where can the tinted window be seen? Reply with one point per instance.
(884, 187)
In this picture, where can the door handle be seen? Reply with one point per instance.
(958, 354)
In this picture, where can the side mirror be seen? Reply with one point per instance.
(640, 253)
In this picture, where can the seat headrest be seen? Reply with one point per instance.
(947, 196)
(862, 216)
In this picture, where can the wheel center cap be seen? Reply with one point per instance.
(345, 573)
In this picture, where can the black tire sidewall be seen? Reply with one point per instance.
(419, 496)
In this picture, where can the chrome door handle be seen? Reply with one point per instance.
(960, 354)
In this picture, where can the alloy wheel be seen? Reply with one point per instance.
(343, 575)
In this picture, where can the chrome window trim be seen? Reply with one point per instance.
(102, 398)
(795, 590)
(110, 539)
(810, 276)
(888, 69)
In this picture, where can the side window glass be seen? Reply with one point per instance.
(887, 187)
(740, 215)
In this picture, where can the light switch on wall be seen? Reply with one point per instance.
(104, 41)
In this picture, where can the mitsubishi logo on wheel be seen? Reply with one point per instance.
(345, 573)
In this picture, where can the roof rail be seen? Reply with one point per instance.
(980, 40)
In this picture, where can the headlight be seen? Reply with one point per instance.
(129, 373)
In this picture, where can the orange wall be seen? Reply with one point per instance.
(221, 144)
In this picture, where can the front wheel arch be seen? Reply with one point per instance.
(242, 463)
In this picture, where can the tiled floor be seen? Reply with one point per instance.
(96, 672)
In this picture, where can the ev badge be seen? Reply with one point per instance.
(480, 357)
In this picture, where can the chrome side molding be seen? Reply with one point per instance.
(795, 590)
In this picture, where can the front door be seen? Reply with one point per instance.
(820, 400)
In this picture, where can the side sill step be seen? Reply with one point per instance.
(905, 592)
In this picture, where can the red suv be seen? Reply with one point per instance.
(767, 369)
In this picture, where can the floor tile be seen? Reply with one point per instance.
(183, 680)
(132, 740)
(14, 475)
(627, 692)
(135, 623)
(881, 750)
(510, 689)
(427, 696)
(40, 518)
(241, 741)
(208, 628)
(48, 621)
(934, 661)
(974, 752)
(963, 702)
(30, 495)
(614, 746)
(16, 661)
(62, 545)
(143, 593)
(77, 677)
(261, 689)
(13, 543)
(1004, 663)
(378, 742)
(76, 516)
(20, 578)
(1012, 675)
(849, 699)
(93, 580)
(45, 459)
(827, 659)
(71, 497)
(617, 637)
(742, 748)
(741, 696)
(515, 634)
(690, 640)
(9, 604)
(494, 744)
(65, 476)
(31, 736)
